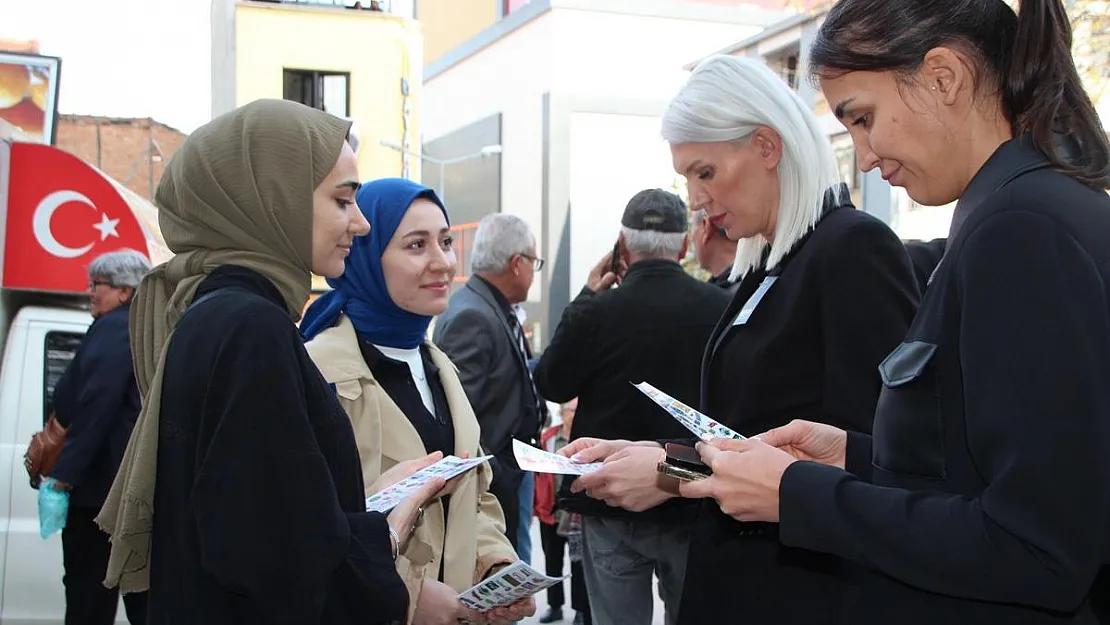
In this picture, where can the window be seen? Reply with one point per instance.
(327, 91)
(785, 64)
(60, 348)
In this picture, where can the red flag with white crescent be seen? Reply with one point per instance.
(62, 213)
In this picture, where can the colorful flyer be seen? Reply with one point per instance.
(702, 426)
(507, 586)
(449, 467)
(538, 461)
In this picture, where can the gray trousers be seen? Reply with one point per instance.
(619, 558)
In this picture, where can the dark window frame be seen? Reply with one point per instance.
(316, 80)
(50, 344)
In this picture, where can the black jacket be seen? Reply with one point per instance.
(989, 470)
(925, 256)
(652, 328)
(843, 299)
(98, 400)
(259, 512)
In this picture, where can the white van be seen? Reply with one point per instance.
(49, 203)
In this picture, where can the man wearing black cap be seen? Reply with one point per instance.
(652, 327)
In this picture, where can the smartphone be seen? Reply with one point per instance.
(684, 463)
(615, 259)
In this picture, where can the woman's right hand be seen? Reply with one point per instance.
(401, 470)
(407, 515)
(806, 440)
(585, 450)
(439, 605)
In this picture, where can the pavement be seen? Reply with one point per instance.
(568, 613)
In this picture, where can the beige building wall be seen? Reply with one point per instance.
(448, 23)
(376, 49)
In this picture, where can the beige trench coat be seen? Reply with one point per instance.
(475, 528)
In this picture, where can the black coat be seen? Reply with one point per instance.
(809, 350)
(989, 499)
(259, 511)
(97, 399)
(652, 328)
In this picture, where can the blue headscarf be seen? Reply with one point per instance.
(360, 292)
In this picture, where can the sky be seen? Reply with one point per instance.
(155, 64)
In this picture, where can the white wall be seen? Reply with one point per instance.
(612, 157)
(632, 56)
(571, 52)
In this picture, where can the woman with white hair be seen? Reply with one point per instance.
(825, 293)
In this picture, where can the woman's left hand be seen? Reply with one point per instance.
(511, 613)
(745, 480)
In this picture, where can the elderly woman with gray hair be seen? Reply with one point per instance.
(98, 401)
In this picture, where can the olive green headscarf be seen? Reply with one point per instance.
(238, 192)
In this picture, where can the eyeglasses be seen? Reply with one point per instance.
(95, 283)
(537, 263)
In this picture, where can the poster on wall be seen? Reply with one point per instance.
(29, 95)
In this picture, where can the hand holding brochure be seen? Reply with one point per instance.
(509, 585)
(702, 426)
(538, 461)
(449, 467)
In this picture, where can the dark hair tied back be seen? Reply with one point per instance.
(1024, 58)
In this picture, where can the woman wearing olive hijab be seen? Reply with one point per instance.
(240, 497)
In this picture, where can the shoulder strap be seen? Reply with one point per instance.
(228, 290)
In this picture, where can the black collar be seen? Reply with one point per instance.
(375, 358)
(499, 297)
(652, 267)
(1012, 159)
(836, 198)
(243, 278)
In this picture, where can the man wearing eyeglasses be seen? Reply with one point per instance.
(481, 333)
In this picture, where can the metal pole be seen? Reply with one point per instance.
(442, 182)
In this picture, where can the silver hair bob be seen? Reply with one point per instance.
(726, 99)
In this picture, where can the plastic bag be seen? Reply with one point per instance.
(53, 508)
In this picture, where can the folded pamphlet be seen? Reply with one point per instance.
(449, 467)
(538, 461)
(702, 426)
(507, 586)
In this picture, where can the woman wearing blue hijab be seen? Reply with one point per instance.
(368, 338)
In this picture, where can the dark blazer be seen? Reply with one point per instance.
(99, 401)
(652, 328)
(475, 333)
(839, 303)
(989, 499)
(925, 256)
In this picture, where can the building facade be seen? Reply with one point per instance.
(342, 57)
(552, 113)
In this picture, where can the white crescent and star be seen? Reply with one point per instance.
(45, 236)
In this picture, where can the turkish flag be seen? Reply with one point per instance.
(62, 213)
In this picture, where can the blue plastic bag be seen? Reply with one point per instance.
(53, 508)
